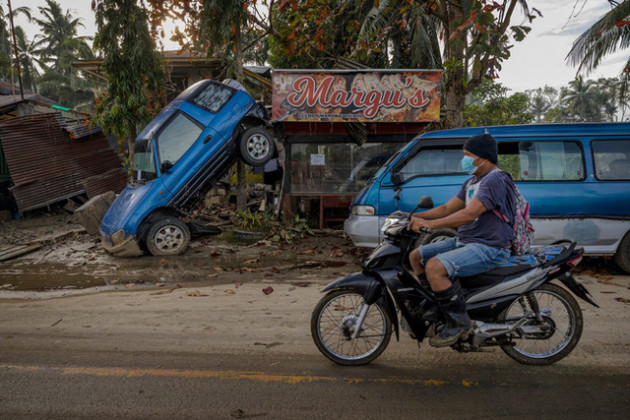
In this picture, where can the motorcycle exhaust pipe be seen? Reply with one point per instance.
(483, 330)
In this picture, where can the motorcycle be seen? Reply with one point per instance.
(514, 306)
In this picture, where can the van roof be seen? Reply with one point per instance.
(593, 129)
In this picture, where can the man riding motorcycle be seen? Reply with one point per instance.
(483, 239)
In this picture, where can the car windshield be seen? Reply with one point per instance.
(143, 161)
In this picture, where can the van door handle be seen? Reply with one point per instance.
(207, 139)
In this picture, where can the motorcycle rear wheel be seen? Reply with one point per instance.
(563, 315)
(332, 327)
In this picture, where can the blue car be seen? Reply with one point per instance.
(576, 178)
(178, 157)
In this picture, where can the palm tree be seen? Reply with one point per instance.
(57, 46)
(28, 59)
(59, 43)
(580, 98)
(608, 34)
(414, 40)
(6, 41)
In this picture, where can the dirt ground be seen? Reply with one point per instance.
(72, 259)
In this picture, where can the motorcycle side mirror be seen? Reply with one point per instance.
(166, 166)
(425, 202)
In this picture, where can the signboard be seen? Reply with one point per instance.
(356, 96)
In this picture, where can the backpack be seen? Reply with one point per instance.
(523, 231)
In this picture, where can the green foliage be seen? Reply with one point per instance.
(379, 34)
(6, 43)
(255, 222)
(57, 45)
(296, 228)
(491, 105)
(609, 33)
(134, 71)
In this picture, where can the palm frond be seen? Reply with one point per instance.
(374, 21)
(601, 39)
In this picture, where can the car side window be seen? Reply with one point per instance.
(611, 159)
(542, 160)
(213, 97)
(174, 140)
(434, 161)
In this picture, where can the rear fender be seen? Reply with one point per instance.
(577, 289)
(372, 291)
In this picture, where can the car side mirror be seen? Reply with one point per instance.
(166, 166)
(425, 202)
(398, 178)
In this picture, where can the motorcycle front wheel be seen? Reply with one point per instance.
(546, 342)
(333, 327)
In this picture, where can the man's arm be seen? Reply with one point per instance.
(453, 205)
(466, 215)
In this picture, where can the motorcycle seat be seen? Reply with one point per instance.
(515, 265)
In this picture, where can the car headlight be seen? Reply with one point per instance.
(363, 210)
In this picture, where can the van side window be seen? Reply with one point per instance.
(213, 97)
(612, 159)
(434, 161)
(542, 160)
(174, 140)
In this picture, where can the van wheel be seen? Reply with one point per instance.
(168, 236)
(438, 235)
(622, 256)
(256, 146)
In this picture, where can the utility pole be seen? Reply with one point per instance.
(17, 56)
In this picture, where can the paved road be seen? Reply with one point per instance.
(247, 355)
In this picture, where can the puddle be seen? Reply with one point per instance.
(46, 281)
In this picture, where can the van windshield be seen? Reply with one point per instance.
(143, 161)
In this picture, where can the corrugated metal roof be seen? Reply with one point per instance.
(47, 166)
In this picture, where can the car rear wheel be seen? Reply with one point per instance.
(257, 146)
(168, 236)
(622, 257)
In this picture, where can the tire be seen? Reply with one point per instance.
(556, 299)
(256, 146)
(331, 328)
(622, 256)
(167, 236)
(438, 235)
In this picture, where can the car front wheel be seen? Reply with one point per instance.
(168, 236)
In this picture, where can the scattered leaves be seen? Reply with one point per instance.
(267, 290)
(301, 284)
(623, 300)
(213, 275)
(229, 291)
(195, 293)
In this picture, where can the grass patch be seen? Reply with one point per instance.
(232, 238)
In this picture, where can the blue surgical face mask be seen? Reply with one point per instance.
(467, 165)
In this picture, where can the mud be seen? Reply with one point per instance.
(78, 261)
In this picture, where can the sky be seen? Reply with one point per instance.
(537, 61)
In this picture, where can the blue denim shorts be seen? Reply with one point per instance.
(464, 260)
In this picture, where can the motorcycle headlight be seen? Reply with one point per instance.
(363, 210)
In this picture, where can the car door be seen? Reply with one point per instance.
(432, 168)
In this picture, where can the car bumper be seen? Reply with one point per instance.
(363, 230)
(121, 245)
